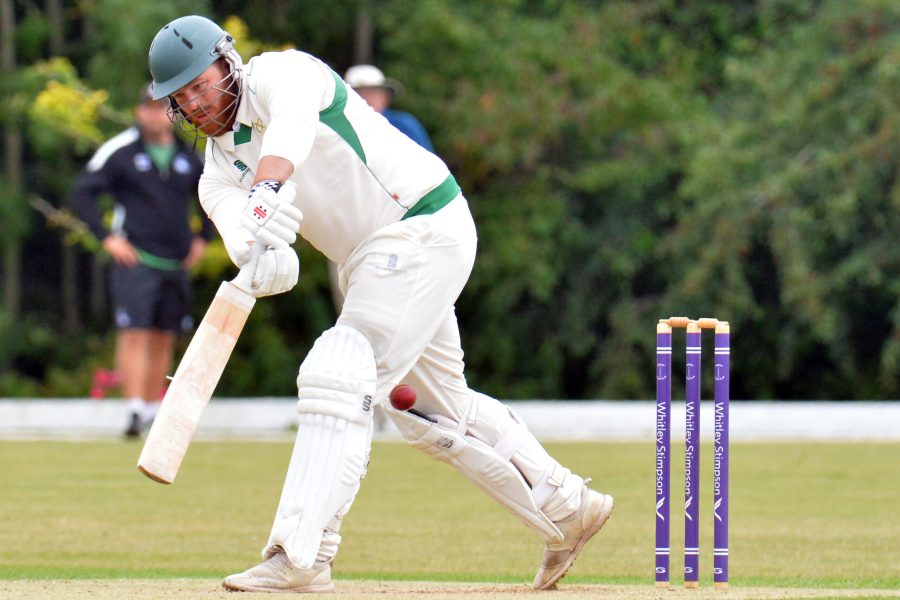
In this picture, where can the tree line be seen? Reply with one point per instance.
(625, 161)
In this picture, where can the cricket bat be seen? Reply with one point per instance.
(194, 382)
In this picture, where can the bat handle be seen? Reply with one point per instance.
(244, 279)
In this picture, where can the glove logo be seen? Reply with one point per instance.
(260, 213)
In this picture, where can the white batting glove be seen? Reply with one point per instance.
(238, 243)
(275, 271)
(270, 214)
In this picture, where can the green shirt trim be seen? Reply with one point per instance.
(242, 135)
(436, 199)
(334, 117)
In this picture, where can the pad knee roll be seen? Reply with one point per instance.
(338, 376)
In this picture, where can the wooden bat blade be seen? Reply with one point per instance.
(195, 380)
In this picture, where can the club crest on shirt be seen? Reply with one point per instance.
(142, 162)
(181, 164)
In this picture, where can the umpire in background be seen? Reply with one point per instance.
(152, 177)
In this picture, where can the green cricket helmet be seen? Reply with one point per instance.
(184, 48)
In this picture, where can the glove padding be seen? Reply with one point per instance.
(275, 271)
(239, 244)
(270, 214)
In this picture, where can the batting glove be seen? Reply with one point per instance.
(238, 243)
(270, 214)
(276, 271)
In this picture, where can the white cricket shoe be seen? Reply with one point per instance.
(577, 530)
(278, 574)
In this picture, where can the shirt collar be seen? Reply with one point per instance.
(242, 125)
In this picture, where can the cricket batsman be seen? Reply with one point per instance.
(393, 218)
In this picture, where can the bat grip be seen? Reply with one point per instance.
(244, 279)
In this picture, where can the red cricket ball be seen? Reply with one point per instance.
(403, 397)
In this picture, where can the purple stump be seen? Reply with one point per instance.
(692, 457)
(720, 456)
(663, 448)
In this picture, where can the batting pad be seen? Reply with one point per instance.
(336, 387)
(488, 467)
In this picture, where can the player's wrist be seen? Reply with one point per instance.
(265, 184)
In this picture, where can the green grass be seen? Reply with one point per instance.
(802, 515)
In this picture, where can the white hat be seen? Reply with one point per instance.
(369, 76)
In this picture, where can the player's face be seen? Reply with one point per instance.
(210, 101)
(377, 98)
(153, 119)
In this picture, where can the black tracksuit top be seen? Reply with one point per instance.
(152, 208)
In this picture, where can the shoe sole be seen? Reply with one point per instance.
(605, 512)
(319, 588)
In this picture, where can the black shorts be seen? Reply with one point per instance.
(147, 298)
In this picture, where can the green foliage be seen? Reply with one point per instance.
(245, 44)
(724, 158)
(32, 33)
(44, 364)
(13, 219)
(789, 219)
(121, 32)
(625, 161)
(65, 111)
(324, 28)
(562, 155)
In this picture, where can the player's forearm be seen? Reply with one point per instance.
(274, 167)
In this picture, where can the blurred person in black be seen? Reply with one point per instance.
(152, 177)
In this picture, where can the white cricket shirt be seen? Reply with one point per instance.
(355, 173)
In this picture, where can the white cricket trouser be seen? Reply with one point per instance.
(400, 286)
